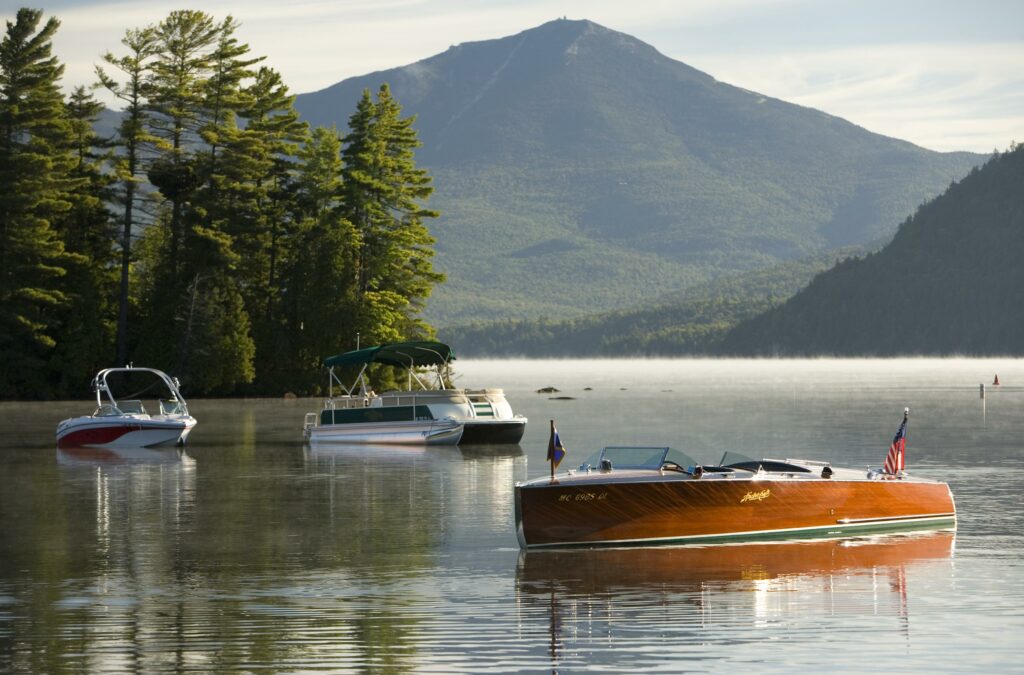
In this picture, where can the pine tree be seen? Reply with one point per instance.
(134, 139)
(222, 98)
(175, 92)
(263, 168)
(272, 119)
(192, 274)
(88, 232)
(35, 186)
(384, 196)
(319, 298)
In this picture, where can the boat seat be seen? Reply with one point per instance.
(131, 407)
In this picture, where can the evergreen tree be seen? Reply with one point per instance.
(384, 196)
(133, 138)
(175, 92)
(222, 97)
(271, 119)
(319, 297)
(88, 231)
(263, 168)
(193, 96)
(35, 186)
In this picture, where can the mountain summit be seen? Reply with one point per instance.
(578, 169)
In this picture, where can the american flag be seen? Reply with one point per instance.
(895, 461)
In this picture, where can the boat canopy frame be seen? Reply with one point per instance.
(407, 355)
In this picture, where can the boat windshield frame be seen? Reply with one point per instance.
(737, 461)
(638, 457)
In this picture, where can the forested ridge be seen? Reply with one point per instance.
(214, 235)
(685, 323)
(951, 282)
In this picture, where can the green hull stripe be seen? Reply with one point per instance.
(833, 531)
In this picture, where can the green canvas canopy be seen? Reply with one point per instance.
(401, 354)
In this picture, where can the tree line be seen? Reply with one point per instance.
(949, 283)
(214, 234)
(687, 323)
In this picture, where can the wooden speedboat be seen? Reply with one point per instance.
(629, 495)
(427, 412)
(123, 421)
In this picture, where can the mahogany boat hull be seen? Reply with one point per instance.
(585, 511)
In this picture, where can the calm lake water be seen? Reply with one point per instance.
(250, 551)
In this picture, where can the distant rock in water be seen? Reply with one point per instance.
(562, 398)
(588, 389)
(548, 390)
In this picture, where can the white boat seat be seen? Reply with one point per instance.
(131, 407)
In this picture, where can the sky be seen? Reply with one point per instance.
(944, 75)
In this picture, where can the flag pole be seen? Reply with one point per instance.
(551, 450)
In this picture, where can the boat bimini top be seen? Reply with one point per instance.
(407, 355)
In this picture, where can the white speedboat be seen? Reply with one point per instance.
(122, 421)
(429, 413)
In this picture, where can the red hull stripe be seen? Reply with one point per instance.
(95, 435)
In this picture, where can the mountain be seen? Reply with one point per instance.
(950, 282)
(579, 170)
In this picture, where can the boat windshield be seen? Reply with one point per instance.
(626, 457)
(736, 460)
(732, 457)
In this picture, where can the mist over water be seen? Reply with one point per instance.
(250, 550)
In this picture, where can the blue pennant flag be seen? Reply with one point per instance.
(556, 451)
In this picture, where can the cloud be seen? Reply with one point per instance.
(940, 96)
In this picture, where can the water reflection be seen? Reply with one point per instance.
(253, 552)
(609, 593)
(446, 492)
(123, 455)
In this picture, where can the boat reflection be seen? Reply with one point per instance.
(405, 452)
(607, 591)
(479, 451)
(687, 567)
(80, 456)
(325, 452)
